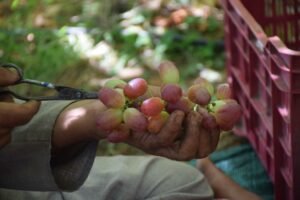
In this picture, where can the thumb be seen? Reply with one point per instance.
(30, 108)
(12, 114)
(8, 76)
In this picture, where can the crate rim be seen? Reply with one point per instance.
(264, 41)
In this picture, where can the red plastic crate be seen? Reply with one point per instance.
(262, 40)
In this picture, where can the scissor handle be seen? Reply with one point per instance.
(16, 67)
(27, 81)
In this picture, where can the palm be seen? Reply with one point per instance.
(175, 142)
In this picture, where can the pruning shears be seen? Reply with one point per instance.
(62, 92)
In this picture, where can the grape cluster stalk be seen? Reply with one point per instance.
(136, 105)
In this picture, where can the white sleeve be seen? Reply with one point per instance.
(26, 162)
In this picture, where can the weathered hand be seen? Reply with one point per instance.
(12, 114)
(182, 138)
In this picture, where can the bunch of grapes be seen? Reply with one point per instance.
(137, 106)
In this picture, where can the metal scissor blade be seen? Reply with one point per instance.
(68, 93)
(64, 93)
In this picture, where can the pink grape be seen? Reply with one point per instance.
(206, 84)
(199, 95)
(171, 92)
(119, 134)
(115, 83)
(183, 104)
(152, 106)
(227, 112)
(208, 120)
(112, 98)
(135, 120)
(168, 72)
(135, 88)
(109, 119)
(223, 91)
(155, 123)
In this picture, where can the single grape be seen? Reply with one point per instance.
(152, 106)
(199, 95)
(168, 72)
(115, 83)
(119, 134)
(152, 91)
(155, 123)
(223, 91)
(183, 104)
(206, 84)
(135, 120)
(171, 92)
(135, 88)
(109, 119)
(112, 98)
(227, 112)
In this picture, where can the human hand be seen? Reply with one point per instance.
(181, 138)
(12, 114)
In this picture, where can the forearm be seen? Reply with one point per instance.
(223, 186)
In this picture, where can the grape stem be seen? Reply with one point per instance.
(210, 107)
(195, 108)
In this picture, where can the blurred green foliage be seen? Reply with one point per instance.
(33, 33)
(193, 44)
(43, 53)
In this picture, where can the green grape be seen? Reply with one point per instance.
(168, 72)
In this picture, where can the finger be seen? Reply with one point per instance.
(6, 98)
(8, 76)
(142, 140)
(215, 136)
(209, 126)
(172, 129)
(189, 146)
(4, 140)
(205, 142)
(12, 114)
(4, 131)
(120, 134)
(208, 120)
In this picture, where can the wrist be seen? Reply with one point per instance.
(61, 155)
(77, 123)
